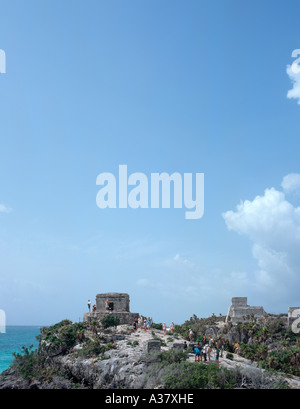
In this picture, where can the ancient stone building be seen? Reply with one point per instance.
(118, 307)
(117, 302)
(240, 311)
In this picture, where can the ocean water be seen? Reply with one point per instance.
(13, 340)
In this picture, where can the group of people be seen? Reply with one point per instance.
(95, 308)
(143, 323)
(147, 323)
(204, 350)
(89, 306)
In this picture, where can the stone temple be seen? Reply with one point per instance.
(240, 311)
(118, 307)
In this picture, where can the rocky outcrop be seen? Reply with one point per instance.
(126, 360)
(123, 366)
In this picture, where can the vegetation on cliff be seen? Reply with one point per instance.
(69, 353)
(269, 342)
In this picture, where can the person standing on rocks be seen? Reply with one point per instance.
(107, 305)
(204, 350)
(208, 351)
(89, 305)
(197, 354)
(217, 356)
(200, 347)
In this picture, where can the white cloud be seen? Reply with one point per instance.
(291, 183)
(295, 78)
(183, 260)
(273, 225)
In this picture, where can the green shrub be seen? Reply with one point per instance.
(171, 356)
(254, 352)
(110, 321)
(157, 326)
(94, 348)
(187, 375)
(26, 362)
(285, 360)
(229, 355)
(29, 365)
(64, 334)
(133, 344)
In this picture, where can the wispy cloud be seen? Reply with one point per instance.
(4, 209)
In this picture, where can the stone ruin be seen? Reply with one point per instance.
(118, 307)
(240, 311)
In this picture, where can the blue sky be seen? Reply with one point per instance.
(162, 86)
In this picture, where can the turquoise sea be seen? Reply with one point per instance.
(13, 340)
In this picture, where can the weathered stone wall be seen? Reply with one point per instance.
(120, 308)
(124, 317)
(239, 310)
(120, 301)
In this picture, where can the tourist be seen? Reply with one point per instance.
(204, 349)
(217, 356)
(236, 348)
(107, 305)
(197, 354)
(145, 324)
(208, 351)
(172, 327)
(222, 350)
(191, 335)
(184, 345)
(164, 327)
(211, 342)
(135, 325)
(200, 346)
(94, 308)
(89, 305)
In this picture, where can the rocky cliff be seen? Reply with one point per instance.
(75, 356)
